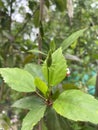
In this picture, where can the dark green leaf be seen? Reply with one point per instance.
(29, 103)
(36, 18)
(61, 4)
(56, 122)
(34, 69)
(69, 86)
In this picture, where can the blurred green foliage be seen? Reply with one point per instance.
(16, 39)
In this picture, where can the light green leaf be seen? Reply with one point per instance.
(31, 102)
(68, 41)
(18, 79)
(41, 85)
(33, 117)
(77, 105)
(57, 70)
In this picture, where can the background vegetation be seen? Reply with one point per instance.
(32, 25)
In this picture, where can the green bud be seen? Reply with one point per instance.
(49, 59)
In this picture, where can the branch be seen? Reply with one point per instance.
(11, 2)
(39, 37)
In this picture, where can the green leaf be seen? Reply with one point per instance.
(61, 4)
(36, 18)
(41, 85)
(68, 86)
(35, 70)
(18, 79)
(67, 42)
(52, 46)
(57, 70)
(56, 122)
(47, 3)
(77, 106)
(31, 102)
(37, 51)
(33, 117)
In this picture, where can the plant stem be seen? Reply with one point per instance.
(40, 44)
(48, 76)
(40, 95)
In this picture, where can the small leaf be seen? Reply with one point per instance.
(49, 59)
(57, 70)
(33, 117)
(41, 85)
(31, 102)
(68, 86)
(67, 42)
(37, 51)
(52, 46)
(36, 18)
(61, 4)
(18, 79)
(77, 106)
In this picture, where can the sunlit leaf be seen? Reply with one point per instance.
(57, 70)
(41, 85)
(18, 79)
(77, 106)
